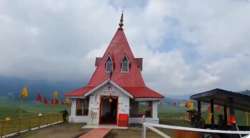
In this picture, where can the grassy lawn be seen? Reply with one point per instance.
(74, 130)
(25, 116)
(167, 114)
(14, 110)
(27, 122)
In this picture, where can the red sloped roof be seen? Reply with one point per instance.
(136, 92)
(79, 92)
(142, 92)
(117, 49)
(132, 80)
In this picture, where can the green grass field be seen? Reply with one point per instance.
(168, 114)
(25, 115)
(12, 109)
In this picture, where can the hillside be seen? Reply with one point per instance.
(246, 92)
(11, 87)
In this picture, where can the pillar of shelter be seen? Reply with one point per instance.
(231, 108)
(232, 119)
(212, 111)
(225, 114)
(199, 107)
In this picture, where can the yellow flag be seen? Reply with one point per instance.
(190, 105)
(24, 92)
(209, 118)
(55, 94)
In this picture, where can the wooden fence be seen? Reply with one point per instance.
(27, 123)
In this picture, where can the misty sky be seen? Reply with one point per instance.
(188, 46)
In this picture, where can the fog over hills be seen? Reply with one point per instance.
(246, 92)
(11, 87)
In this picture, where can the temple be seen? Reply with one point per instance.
(116, 93)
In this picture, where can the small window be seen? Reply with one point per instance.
(125, 65)
(140, 108)
(109, 65)
(82, 107)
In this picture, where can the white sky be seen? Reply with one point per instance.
(187, 46)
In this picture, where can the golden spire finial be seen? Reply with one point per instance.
(121, 21)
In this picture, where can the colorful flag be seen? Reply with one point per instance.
(52, 101)
(56, 101)
(208, 108)
(189, 105)
(39, 98)
(209, 118)
(218, 108)
(45, 101)
(55, 94)
(24, 92)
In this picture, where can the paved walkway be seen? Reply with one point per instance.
(96, 133)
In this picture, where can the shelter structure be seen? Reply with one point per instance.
(116, 93)
(229, 100)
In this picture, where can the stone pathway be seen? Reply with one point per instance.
(96, 133)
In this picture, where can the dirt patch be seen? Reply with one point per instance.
(133, 132)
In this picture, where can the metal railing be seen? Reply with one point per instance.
(12, 126)
(155, 128)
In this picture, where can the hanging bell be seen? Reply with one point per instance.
(110, 99)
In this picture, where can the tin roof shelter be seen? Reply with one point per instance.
(228, 99)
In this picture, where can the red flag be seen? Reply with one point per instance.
(56, 101)
(218, 108)
(45, 101)
(39, 98)
(208, 108)
(52, 101)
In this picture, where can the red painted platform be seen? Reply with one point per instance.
(96, 133)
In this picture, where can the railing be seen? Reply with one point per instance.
(155, 128)
(12, 126)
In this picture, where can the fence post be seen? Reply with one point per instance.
(144, 130)
(57, 117)
(29, 124)
(19, 125)
(39, 122)
(50, 118)
(2, 129)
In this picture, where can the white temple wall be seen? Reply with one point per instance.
(94, 104)
(123, 107)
